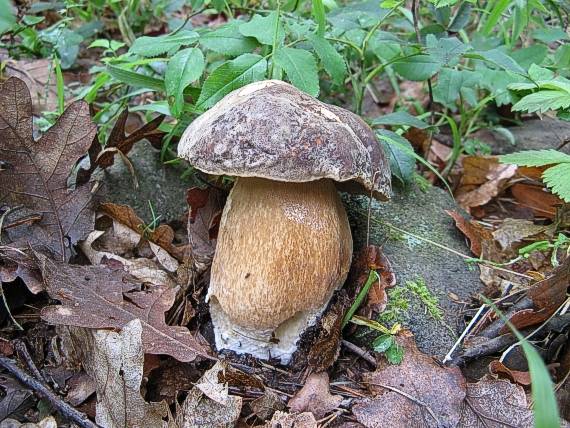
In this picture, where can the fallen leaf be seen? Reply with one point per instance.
(519, 377)
(495, 404)
(47, 422)
(34, 174)
(14, 264)
(79, 388)
(292, 420)
(315, 397)
(401, 388)
(15, 397)
(115, 362)
(265, 406)
(539, 199)
(98, 297)
(514, 230)
(209, 404)
(474, 232)
(483, 178)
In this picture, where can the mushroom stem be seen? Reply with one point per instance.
(283, 249)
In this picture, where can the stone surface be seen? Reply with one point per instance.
(421, 213)
(160, 184)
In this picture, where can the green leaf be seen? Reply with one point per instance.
(499, 7)
(184, 68)
(539, 73)
(228, 40)
(155, 46)
(333, 62)
(446, 50)
(400, 118)
(132, 78)
(320, 16)
(550, 34)
(395, 354)
(498, 58)
(231, 75)
(357, 15)
(543, 100)
(533, 54)
(450, 83)
(417, 68)
(402, 163)
(372, 277)
(301, 68)
(535, 158)
(382, 343)
(7, 18)
(263, 28)
(461, 17)
(557, 178)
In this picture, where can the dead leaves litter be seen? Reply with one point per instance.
(315, 397)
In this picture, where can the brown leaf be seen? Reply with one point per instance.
(34, 174)
(439, 389)
(473, 231)
(514, 230)
(315, 397)
(539, 199)
(97, 297)
(286, 420)
(519, 377)
(483, 178)
(265, 406)
(495, 404)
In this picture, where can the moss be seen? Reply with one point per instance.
(422, 292)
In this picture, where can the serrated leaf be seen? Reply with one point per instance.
(333, 62)
(402, 163)
(535, 158)
(540, 73)
(301, 68)
(228, 40)
(382, 343)
(449, 84)
(135, 79)
(263, 28)
(498, 58)
(446, 50)
(184, 68)
(400, 118)
(557, 178)
(231, 75)
(417, 68)
(153, 46)
(34, 174)
(395, 354)
(543, 101)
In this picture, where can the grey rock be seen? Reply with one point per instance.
(160, 184)
(421, 213)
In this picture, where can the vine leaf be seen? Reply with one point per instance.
(100, 297)
(41, 211)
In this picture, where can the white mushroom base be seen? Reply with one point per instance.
(263, 344)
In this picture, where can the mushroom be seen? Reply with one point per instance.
(284, 243)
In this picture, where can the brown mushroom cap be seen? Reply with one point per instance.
(270, 129)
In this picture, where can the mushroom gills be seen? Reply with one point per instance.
(283, 249)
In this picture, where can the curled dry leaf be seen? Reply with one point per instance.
(483, 178)
(292, 420)
(519, 377)
(415, 393)
(99, 297)
(209, 403)
(513, 230)
(265, 406)
(115, 362)
(540, 200)
(474, 232)
(315, 397)
(33, 178)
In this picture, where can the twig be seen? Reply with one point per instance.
(360, 352)
(409, 397)
(39, 388)
(23, 353)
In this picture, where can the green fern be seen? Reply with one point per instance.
(557, 177)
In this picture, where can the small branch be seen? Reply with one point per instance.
(360, 352)
(39, 388)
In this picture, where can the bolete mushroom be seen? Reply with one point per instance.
(284, 244)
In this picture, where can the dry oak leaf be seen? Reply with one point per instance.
(416, 393)
(483, 178)
(292, 420)
(115, 362)
(34, 174)
(315, 397)
(98, 297)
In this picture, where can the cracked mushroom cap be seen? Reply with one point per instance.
(270, 129)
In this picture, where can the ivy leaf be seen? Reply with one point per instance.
(153, 46)
(333, 62)
(263, 29)
(400, 118)
(417, 68)
(231, 75)
(228, 40)
(535, 158)
(184, 68)
(402, 163)
(557, 178)
(301, 68)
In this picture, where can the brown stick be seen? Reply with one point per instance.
(39, 388)
(360, 352)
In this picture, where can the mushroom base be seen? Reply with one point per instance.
(282, 250)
